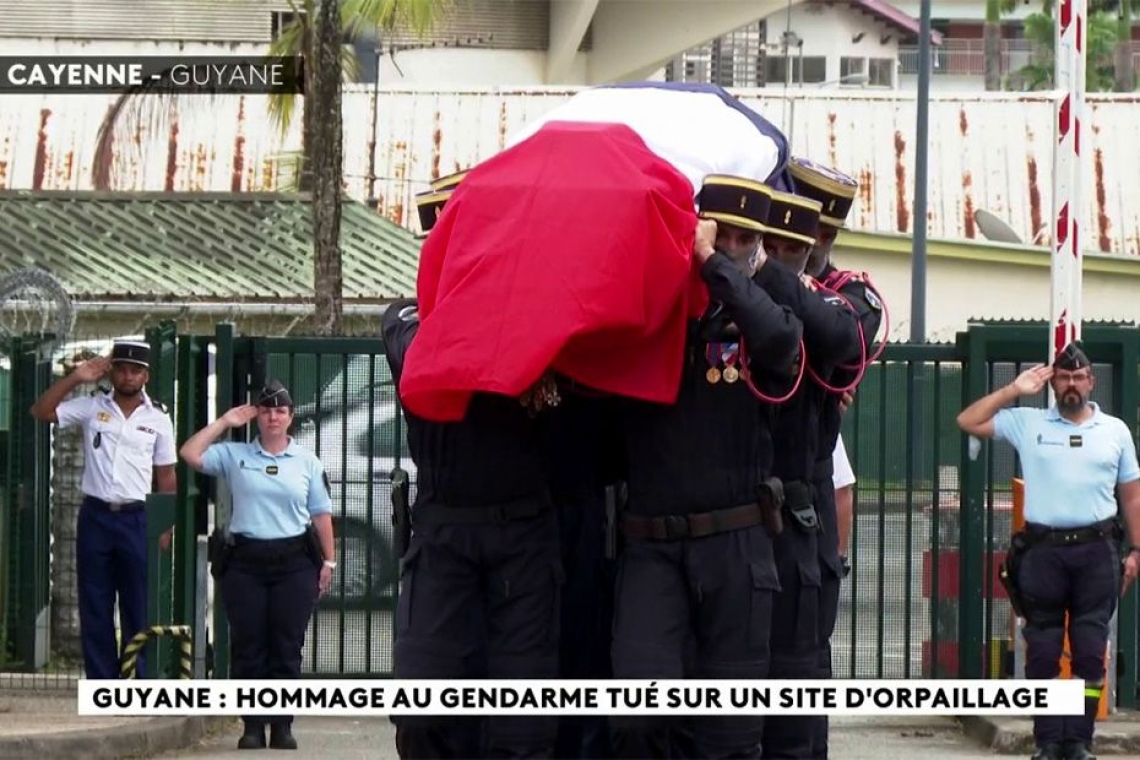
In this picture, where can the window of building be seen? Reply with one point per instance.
(880, 72)
(806, 70)
(851, 68)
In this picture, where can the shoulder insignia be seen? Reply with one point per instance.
(409, 313)
(872, 299)
(158, 405)
(835, 300)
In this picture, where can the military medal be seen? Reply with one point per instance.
(713, 372)
(731, 373)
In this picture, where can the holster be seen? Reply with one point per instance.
(219, 551)
(771, 500)
(1018, 546)
(800, 506)
(313, 546)
(401, 513)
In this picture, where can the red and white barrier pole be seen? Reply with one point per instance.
(1068, 172)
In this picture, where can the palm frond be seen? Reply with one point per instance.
(418, 16)
(144, 109)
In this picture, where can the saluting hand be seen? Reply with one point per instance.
(1131, 568)
(1031, 381)
(93, 369)
(240, 415)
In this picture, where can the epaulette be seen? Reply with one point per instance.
(410, 313)
(158, 405)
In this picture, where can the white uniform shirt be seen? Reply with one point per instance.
(842, 474)
(121, 467)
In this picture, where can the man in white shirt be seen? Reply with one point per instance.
(844, 479)
(128, 446)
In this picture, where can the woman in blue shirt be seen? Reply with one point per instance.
(275, 572)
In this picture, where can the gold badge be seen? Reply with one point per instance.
(713, 375)
(743, 202)
(103, 417)
(731, 374)
(787, 216)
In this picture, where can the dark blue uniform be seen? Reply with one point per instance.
(697, 576)
(830, 337)
(586, 462)
(869, 312)
(484, 547)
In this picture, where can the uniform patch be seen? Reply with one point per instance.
(1075, 441)
(103, 416)
(873, 300)
(146, 430)
(271, 469)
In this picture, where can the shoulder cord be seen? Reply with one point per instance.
(746, 373)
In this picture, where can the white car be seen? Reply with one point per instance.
(356, 429)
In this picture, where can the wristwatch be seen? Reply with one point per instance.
(845, 564)
(330, 564)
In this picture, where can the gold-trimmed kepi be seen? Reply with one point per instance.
(430, 206)
(834, 190)
(449, 181)
(735, 200)
(794, 217)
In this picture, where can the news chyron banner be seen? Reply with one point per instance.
(219, 75)
(538, 697)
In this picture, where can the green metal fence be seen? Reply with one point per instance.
(933, 517)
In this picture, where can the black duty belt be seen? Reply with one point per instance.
(1043, 535)
(697, 525)
(268, 550)
(823, 469)
(114, 506)
(438, 514)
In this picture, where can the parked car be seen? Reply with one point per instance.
(355, 427)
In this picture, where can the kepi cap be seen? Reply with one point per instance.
(1071, 358)
(130, 352)
(430, 206)
(834, 190)
(794, 217)
(737, 201)
(274, 394)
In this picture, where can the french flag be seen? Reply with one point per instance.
(571, 250)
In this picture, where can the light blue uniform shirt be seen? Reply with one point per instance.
(1070, 470)
(274, 495)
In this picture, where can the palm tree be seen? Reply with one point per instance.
(317, 32)
(992, 38)
(1100, 45)
(1124, 80)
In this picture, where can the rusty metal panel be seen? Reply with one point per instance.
(991, 151)
(217, 20)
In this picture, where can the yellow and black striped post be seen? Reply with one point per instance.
(128, 668)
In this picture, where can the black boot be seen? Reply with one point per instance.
(1077, 750)
(253, 737)
(281, 736)
(1048, 752)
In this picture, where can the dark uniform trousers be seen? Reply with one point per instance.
(269, 590)
(110, 560)
(1084, 580)
(831, 577)
(796, 626)
(587, 616)
(511, 571)
(713, 594)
